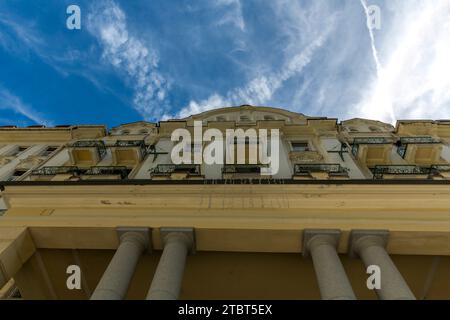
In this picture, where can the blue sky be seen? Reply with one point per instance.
(159, 59)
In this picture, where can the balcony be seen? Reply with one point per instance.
(243, 171)
(441, 171)
(319, 172)
(128, 152)
(54, 173)
(372, 150)
(74, 173)
(419, 150)
(305, 156)
(401, 172)
(176, 172)
(106, 173)
(87, 153)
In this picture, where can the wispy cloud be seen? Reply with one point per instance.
(414, 81)
(233, 15)
(13, 103)
(259, 90)
(131, 56)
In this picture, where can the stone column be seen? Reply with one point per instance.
(370, 246)
(166, 284)
(331, 276)
(115, 281)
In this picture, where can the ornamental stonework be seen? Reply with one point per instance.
(305, 156)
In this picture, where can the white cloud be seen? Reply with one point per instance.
(233, 15)
(299, 53)
(259, 90)
(9, 101)
(414, 81)
(130, 55)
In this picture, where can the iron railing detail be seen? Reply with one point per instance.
(51, 171)
(368, 140)
(133, 144)
(308, 168)
(402, 144)
(98, 144)
(436, 169)
(113, 170)
(380, 171)
(241, 168)
(166, 169)
(418, 140)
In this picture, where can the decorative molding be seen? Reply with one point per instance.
(4, 160)
(305, 156)
(30, 161)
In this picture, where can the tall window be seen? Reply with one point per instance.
(300, 146)
(18, 151)
(48, 151)
(17, 174)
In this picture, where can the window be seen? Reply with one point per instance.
(300, 146)
(18, 151)
(48, 151)
(245, 118)
(17, 174)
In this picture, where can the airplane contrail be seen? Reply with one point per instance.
(372, 38)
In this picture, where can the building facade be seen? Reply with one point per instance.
(348, 197)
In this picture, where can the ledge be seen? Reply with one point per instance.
(225, 182)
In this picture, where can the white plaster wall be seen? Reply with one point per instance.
(286, 168)
(60, 159)
(446, 153)
(396, 159)
(7, 170)
(2, 204)
(163, 145)
(333, 144)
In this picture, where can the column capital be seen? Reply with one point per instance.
(185, 234)
(141, 235)
(360, 239)
(314, 237)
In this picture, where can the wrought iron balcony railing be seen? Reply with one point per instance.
(440, 168)
(166, 169)
(402, 144)
(98, 144)
(418, 140)
(132, 144)
(241, 168)
(368, 140)
(51, 171)
(103, 171)
(380, 171)
(308, 168)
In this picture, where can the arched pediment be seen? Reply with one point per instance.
(366, 125)
(247, 113)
